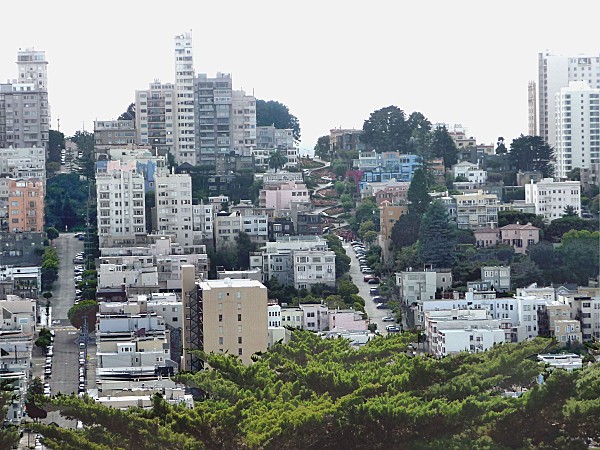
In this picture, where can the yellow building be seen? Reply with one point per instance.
(224, 316)
(388, 215)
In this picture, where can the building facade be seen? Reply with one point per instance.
(184, 133)
(235, 317)
(24, 107)
(25, 205)
(155, 117)
(552, 197)
(555, 72)
(121, 202)
(577, 127)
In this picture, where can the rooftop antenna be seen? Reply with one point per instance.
(58, 124)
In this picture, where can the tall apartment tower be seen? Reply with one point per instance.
(155, 117)
(555, 72)
(577, 127)
(24, 108)
(185, 147)
(532, 109)
(213, 116)
(244, 123)
(174, 207)
(121, 203)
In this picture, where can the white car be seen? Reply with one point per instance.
(388, 319)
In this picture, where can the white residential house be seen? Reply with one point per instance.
(469, 171)
(497, 276)
(313, 267)
(453, 331)
(315, 317)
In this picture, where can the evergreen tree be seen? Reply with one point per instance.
(442, 146)
(531, 153)
(437, 237)
(418, 196)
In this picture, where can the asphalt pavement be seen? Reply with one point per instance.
(65, 365)
(363, 290)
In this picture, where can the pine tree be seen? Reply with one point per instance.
(418, 197)
(437, 237)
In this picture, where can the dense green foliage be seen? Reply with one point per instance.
(66, 202)
(56, 142)
(277, 114)
(277, 160)
(418, 193)
(316, 393)
(49, 272)
(531, 153)
(442, 146)
(437, 237)
(44, 339)
(405, 231)
(322, 149)
(386, 130)
(342, 260)
(9, 435)
(84, 310)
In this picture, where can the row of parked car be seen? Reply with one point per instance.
(82, 367)
(78, 275)
(48, 365)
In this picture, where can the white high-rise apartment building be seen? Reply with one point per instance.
(555, 72)
(24, 108)
(184, 106)
(577, 127)
(552, 197)
(174, 207)
(121, 202)
(155, 117)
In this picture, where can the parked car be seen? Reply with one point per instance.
(367, 270)
(380, 299)
(388, 319)
(374, 291)
(382, 306)
(366, 278)
(373, 280)
(392, 329)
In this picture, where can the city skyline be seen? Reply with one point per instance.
(332, 65)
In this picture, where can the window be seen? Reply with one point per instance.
(220, 317)
(220, 340)
(239, 339)
(239, 317)
(239, 351)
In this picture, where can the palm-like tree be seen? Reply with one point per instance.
(277, 160)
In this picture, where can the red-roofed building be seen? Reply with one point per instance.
(520, 237)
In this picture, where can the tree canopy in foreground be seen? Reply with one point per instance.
(316, 393)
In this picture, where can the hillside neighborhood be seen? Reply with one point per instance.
(188, 259)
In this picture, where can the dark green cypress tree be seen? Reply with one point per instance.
(418, 196)
(437, 237)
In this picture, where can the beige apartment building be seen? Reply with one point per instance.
(26, 205)
(224, 316)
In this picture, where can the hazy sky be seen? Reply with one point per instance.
(331, 62)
